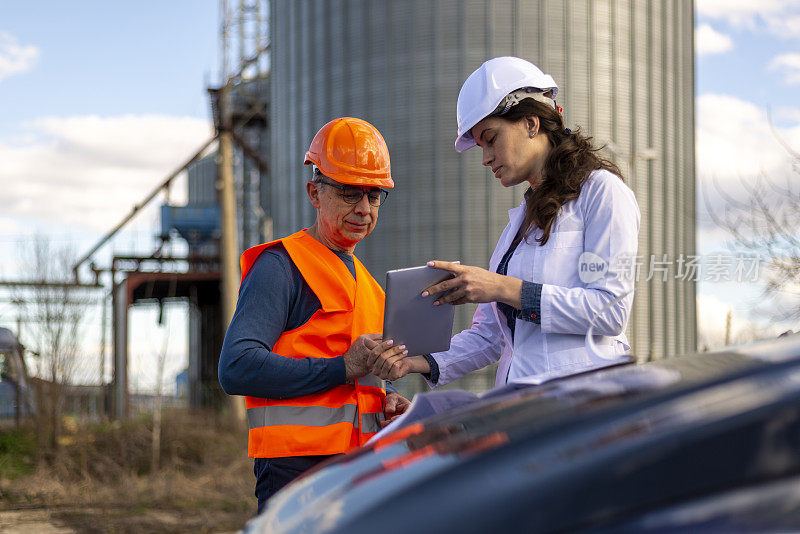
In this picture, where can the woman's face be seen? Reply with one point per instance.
(510, 151)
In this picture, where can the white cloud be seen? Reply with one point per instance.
(784, 113)
(736, 150)
(712, 315)
(786, 25)
(9, 226)
(709, 236)
(734, 140)
(709, 41)
(87, 172)
(15, 58)
(739, 10)
(789, 64)
(778, 17)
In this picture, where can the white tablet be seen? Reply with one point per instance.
(411, 320)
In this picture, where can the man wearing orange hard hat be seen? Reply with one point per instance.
(308, 316)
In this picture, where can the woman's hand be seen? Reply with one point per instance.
(398, 366)
(385, 361)
(473, 284)
(381, 352)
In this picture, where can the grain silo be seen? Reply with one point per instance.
(625, 68)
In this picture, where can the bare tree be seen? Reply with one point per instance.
(766, 223)
(54, 310)
(157, 401)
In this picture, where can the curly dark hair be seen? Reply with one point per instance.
(572, 158)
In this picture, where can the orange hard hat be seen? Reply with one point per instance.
(351, 151)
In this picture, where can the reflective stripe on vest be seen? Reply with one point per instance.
(342, 417)
(300, 415)
(261, 416)
(370, 380)
(371, 422)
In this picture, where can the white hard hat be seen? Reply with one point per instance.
(492, 82)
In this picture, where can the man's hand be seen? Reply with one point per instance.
(390, 363)
(355, 359)
(396, 405)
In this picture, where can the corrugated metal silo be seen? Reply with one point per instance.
(625, 68)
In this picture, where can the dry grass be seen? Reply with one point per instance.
(102, 476)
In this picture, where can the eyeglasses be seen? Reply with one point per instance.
(353, 195)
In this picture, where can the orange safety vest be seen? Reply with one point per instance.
(342, 417)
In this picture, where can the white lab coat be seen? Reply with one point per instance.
(604, 220)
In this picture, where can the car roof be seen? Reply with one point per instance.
(580, 451)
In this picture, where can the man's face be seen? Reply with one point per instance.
(341, 225)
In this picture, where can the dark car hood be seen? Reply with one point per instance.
(575, 453)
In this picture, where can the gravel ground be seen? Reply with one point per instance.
(62, 520)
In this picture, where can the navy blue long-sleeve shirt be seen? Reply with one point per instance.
(274, 298)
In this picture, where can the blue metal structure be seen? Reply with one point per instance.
(196, 224)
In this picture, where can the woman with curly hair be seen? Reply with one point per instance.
(562, 264)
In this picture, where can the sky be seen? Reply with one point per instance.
(747, 65)
(101, 100)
